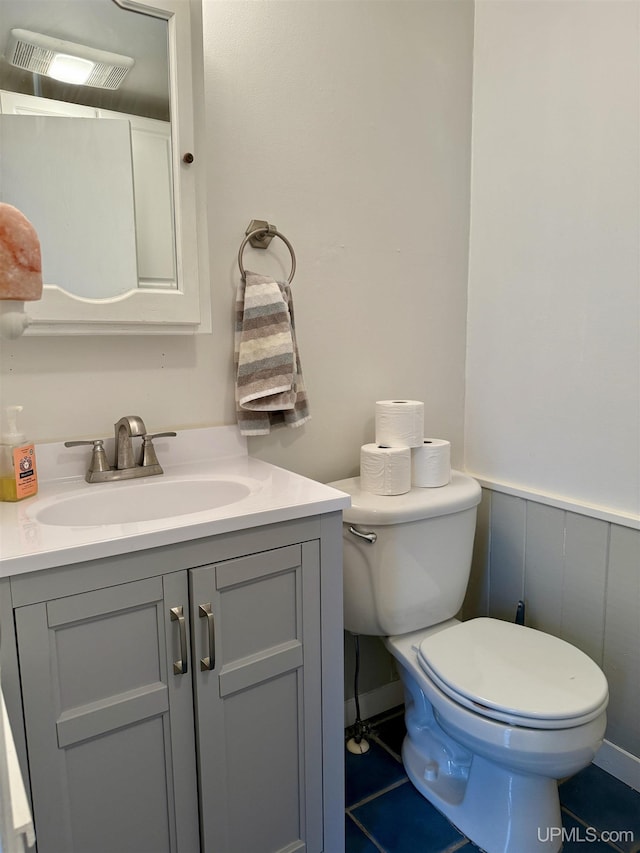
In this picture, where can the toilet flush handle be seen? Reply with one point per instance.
(369, 537)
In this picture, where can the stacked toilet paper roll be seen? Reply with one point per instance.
(401, 456)
(385, 470)
(431, 463)
(399, 423)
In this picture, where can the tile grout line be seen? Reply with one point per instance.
(587, 825)
(377, 794)
(452, 848)
(387, 749)
(366, 832)
(458, 845)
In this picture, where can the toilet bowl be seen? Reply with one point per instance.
(491, 771)
(495, 712)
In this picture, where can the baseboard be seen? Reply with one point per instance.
(623, 765)
(374, 702)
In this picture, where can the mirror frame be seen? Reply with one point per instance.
(184, 310)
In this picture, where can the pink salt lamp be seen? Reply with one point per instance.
(20, 260)
(20, 269)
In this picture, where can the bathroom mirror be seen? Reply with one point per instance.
(108, 176)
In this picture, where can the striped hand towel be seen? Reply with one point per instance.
(269, 385)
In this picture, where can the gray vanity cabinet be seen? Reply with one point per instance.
(190, 709)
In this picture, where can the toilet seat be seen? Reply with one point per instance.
(514, 674)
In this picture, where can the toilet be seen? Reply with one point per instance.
(496, 713)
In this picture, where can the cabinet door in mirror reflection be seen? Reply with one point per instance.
(112, 188)
(72, 178)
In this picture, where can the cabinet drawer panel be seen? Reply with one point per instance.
(88, 605)
(265, 796)
(105, 643)
(92, 720)
(259, 615)
(256, 668)
(117, 793)
(255, 566)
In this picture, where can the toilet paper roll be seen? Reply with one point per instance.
(399, 423)
(385, 470)
(431, 463)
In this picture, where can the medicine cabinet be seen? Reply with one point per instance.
(115, 188)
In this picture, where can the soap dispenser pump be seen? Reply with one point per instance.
(18, 472)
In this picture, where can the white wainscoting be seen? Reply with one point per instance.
(579, 577)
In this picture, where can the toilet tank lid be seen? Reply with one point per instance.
(463, 492)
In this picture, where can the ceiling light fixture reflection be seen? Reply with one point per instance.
(70, 69)
(67, 61)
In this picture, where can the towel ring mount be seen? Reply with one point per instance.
(259, 234)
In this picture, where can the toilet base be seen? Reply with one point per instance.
(500, 811)
(495, 781)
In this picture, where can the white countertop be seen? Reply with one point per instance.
(276, 495)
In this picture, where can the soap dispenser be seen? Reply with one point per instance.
(18, 473)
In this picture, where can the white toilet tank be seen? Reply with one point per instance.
(416, 572)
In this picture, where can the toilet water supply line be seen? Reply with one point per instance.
(358, 744)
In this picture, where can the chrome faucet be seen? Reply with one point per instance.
(125, 467)
(125, 429)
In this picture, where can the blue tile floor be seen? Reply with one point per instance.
(385, 814)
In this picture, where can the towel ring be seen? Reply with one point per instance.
(271, 230)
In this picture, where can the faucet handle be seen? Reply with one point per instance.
(99, 460)
(148, 455)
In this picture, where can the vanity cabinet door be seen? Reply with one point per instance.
(109, 719)
(258, 701)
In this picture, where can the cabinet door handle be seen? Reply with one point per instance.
(177, 615)
(204, 611)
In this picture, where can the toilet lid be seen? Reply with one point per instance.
(513, 673)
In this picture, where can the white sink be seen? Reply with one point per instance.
(140, 500)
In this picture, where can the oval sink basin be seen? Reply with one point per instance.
(140, 500)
